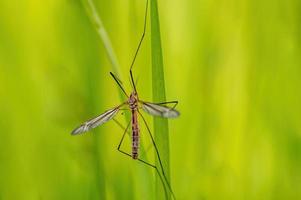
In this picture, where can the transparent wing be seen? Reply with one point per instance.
(159, 110)
(92, 123)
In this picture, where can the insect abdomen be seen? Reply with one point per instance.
(135, 144)
(135, 136)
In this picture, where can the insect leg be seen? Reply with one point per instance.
(139, 45)
(127, 154)
(168, 102)
(158, 155)
(156, 168)
(121, 126)
(151, 165)
(142, 37)
(132, 79)
(125, 130)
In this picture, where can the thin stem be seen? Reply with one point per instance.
(104, 37)
(96, 20)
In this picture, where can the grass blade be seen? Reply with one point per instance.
(160, 124)
(102, 33)
(96, 20)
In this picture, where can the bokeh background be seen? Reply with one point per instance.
(234, 66)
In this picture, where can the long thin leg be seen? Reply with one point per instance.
(142, 37)
(123, 128)
(120, 125)
(133, 81)
(158, 155)
(175, 103)
(168, 102)
(139, 45)
(125, 153)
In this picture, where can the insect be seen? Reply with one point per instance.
(134, 104)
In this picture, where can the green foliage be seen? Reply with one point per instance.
(234, 67)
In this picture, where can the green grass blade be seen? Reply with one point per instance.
(160, 124)
(96, 20)
(102, 33)
(105, 39)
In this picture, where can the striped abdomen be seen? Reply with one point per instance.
(135, 135)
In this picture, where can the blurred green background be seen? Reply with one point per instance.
(234, 66)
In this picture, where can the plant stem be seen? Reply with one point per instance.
(96, 20)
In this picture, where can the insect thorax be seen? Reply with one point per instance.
(133, 101)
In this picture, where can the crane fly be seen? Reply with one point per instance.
(134, 104)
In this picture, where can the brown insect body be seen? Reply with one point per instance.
(133, 104)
